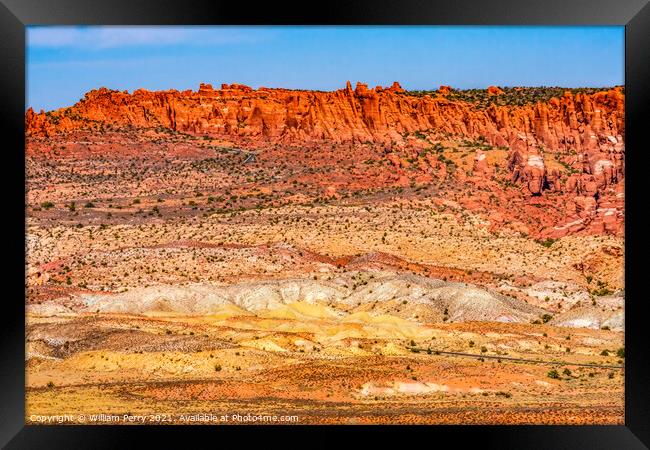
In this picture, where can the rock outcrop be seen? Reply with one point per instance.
(572, 145)
(494, 90)
(591, 124)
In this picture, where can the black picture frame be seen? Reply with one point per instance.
(633, 14)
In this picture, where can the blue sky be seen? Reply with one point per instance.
(65, 62)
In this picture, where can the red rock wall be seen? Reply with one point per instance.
(379, 115)
(587, 129)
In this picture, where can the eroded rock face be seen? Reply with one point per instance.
(527, 165)
(590, 124)
(571, 146)
(481, 166)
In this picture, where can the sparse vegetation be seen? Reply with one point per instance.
(511, 96)
(368, 247)
(553, 374)
(548, 242)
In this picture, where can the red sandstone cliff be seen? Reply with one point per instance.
(362, 114)
(589, 127)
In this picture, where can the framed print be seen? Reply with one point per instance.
(367, 215)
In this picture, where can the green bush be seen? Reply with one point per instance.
(511, 96)
(548, 242)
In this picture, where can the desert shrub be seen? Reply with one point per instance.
(601, 290)
(553, 374)
(511, 96)
(548, 242)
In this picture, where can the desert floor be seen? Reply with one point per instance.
(171, 280)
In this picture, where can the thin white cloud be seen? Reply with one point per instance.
(128, 62)
(104, 37)
(53, 36)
